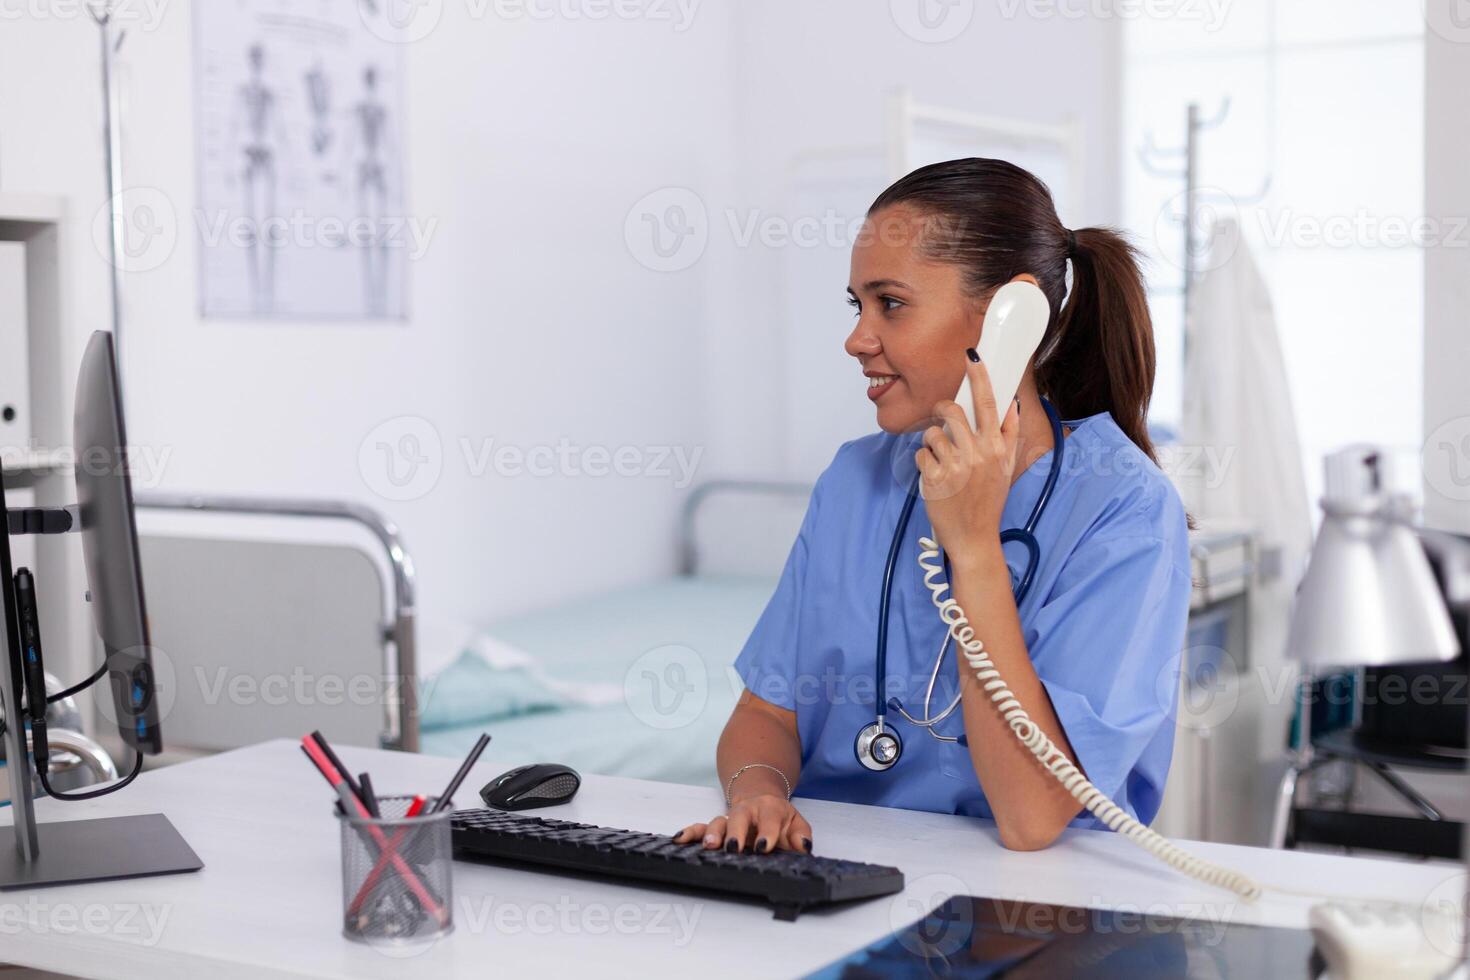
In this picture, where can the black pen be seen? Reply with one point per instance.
(368, 796)
(464, 770)
(321, 741)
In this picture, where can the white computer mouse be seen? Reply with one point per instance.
(1363, 942)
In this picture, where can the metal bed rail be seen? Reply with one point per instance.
(688, 546)
(400, 718)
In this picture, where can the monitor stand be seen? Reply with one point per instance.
(66, 850)
(93, 850)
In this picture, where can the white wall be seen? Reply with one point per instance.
(532, 322)
(813, 77)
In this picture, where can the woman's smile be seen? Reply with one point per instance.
(879, 384)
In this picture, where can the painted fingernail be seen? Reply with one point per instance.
(806, 844)
(677, 835)
(760, 845)
(1018, 404)
(732, 845)
(970, 353)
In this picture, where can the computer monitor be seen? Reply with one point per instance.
(111, 847)
(110, 544)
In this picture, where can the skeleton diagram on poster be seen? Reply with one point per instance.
(300, 208)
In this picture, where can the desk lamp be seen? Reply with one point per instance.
(1369, 597)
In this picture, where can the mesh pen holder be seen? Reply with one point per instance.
(396, 874)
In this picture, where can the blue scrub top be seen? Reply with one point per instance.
(1104, 623)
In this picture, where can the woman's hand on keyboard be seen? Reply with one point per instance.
(760, 823)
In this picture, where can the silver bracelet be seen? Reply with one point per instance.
(730, 786)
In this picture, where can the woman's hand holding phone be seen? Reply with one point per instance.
(967, 472)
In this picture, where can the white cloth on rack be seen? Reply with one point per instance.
(1238, 410)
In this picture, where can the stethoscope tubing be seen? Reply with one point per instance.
(893, 548)
(1025, 535)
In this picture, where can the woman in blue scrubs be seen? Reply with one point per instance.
(1091, 652)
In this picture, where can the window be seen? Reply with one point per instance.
(1325, 107)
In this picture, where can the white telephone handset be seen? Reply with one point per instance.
(1014, 325)
(1015, 322)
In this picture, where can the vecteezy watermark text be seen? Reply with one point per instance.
(566, 458)
(566, 917)
(1363, 229)
(145, 15)
(132, 920)
(679, 13)
(302, 230)
(407, 21)
(1210, 14)
(402, 458)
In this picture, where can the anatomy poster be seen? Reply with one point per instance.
(300, 204)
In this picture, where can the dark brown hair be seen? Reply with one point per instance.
(998, 221)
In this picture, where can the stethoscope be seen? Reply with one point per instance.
(878, 746)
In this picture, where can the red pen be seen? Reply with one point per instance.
(334, 778)
(414, 809)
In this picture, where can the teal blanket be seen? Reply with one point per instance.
(636, 682)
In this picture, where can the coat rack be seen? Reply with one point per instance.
(1195, 124)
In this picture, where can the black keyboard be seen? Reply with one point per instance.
(787, 880)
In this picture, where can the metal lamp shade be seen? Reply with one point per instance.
(1369, 597)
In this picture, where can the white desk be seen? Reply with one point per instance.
(268, 900)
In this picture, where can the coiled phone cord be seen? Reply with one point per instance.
(1054, 759)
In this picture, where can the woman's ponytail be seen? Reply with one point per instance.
(1100, 357)
(999, 221)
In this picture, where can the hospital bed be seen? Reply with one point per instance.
(634, 682)
(249, 645)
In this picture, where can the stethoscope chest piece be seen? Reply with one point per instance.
(878, 746)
